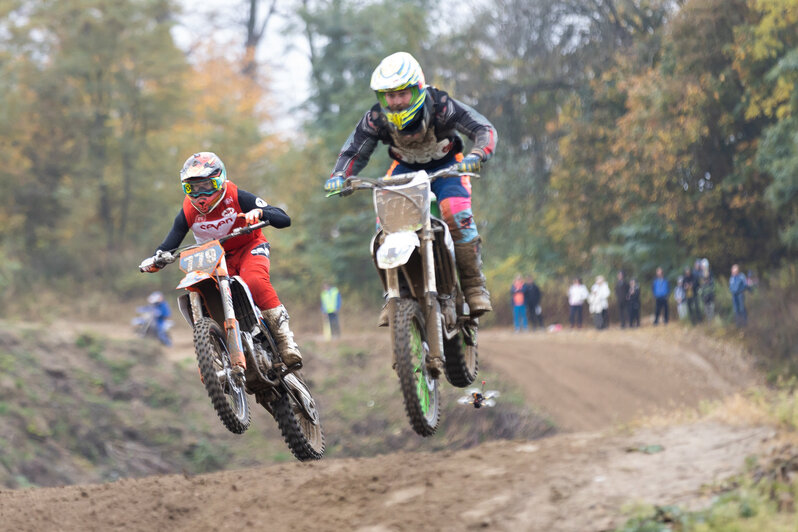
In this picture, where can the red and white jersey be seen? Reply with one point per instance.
(220, 221)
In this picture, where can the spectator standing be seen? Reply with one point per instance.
(621, 293)
(707, 290)
(599, 302)
(690, 283)
(660, 289)
(577, 294)
(633, 302)
(532, 299)
(678, 296)
(330, 307)
(519, 307)
(738, 284)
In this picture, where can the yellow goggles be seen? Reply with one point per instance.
(200, 187)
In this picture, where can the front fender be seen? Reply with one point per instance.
(193, 278)
(396, 249)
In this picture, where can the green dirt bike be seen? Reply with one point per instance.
(428, 315)
(236, 351)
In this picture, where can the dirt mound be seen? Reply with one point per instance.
(578, 481)
(565, 483)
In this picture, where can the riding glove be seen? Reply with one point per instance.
(253, 216)
(471, 163)
(149, 265)
(334, 184)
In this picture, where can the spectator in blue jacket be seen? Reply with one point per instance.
(661, 290)
(738, 284)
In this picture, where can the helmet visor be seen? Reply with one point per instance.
(200, 187)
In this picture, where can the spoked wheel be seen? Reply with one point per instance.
(420, 391)
(227, 396)
(462, 356)
(300, 424)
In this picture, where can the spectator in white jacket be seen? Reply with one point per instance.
(577, 295)
(599, 302)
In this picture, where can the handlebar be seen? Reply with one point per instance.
(163, 258)
(353, 183)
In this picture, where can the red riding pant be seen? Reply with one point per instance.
(251, 262)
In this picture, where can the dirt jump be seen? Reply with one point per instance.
(614, 395)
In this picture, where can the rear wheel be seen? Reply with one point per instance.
(462, 356)
(227, 396)
(301, 431)
(420, 391)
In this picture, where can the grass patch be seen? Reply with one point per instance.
(764, 496)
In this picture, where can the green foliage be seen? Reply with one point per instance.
(205, 456)
(748, 506)
(629, 136)
(642, 244)
(771, 332)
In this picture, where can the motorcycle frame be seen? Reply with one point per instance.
(423, 259)
(229, 302)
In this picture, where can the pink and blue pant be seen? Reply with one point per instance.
(454, 200)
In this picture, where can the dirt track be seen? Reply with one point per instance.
(575, 481)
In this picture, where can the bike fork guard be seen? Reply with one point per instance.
(234, 344)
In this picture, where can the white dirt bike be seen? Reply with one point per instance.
(428, 314)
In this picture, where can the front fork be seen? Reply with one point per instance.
(234, 346)
(432, 308)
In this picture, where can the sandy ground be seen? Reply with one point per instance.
(594, 385)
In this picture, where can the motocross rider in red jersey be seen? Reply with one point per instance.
(212, 208)
(420, 125)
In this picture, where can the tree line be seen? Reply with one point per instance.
(632, 133)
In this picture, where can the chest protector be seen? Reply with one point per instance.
(220, 221)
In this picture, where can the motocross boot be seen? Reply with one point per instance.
(469, 266)
(277, 319)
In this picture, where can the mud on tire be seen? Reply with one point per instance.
(304, 439)
(462, 357)
(421, 393)
(228, 399)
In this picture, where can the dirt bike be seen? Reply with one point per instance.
(236, 351)
(144, 324)
(428, 315)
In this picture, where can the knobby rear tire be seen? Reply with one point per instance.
(421, 393)
(304, 439)
(462, 359)
(229, 400)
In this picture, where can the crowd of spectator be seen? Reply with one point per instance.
(694, 296)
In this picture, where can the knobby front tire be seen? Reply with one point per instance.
(420, 392)
(228, 399)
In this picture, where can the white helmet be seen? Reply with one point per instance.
(155, 297)
(396, 72)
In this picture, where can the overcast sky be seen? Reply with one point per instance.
(285, 57)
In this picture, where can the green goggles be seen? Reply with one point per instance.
(200, 187)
